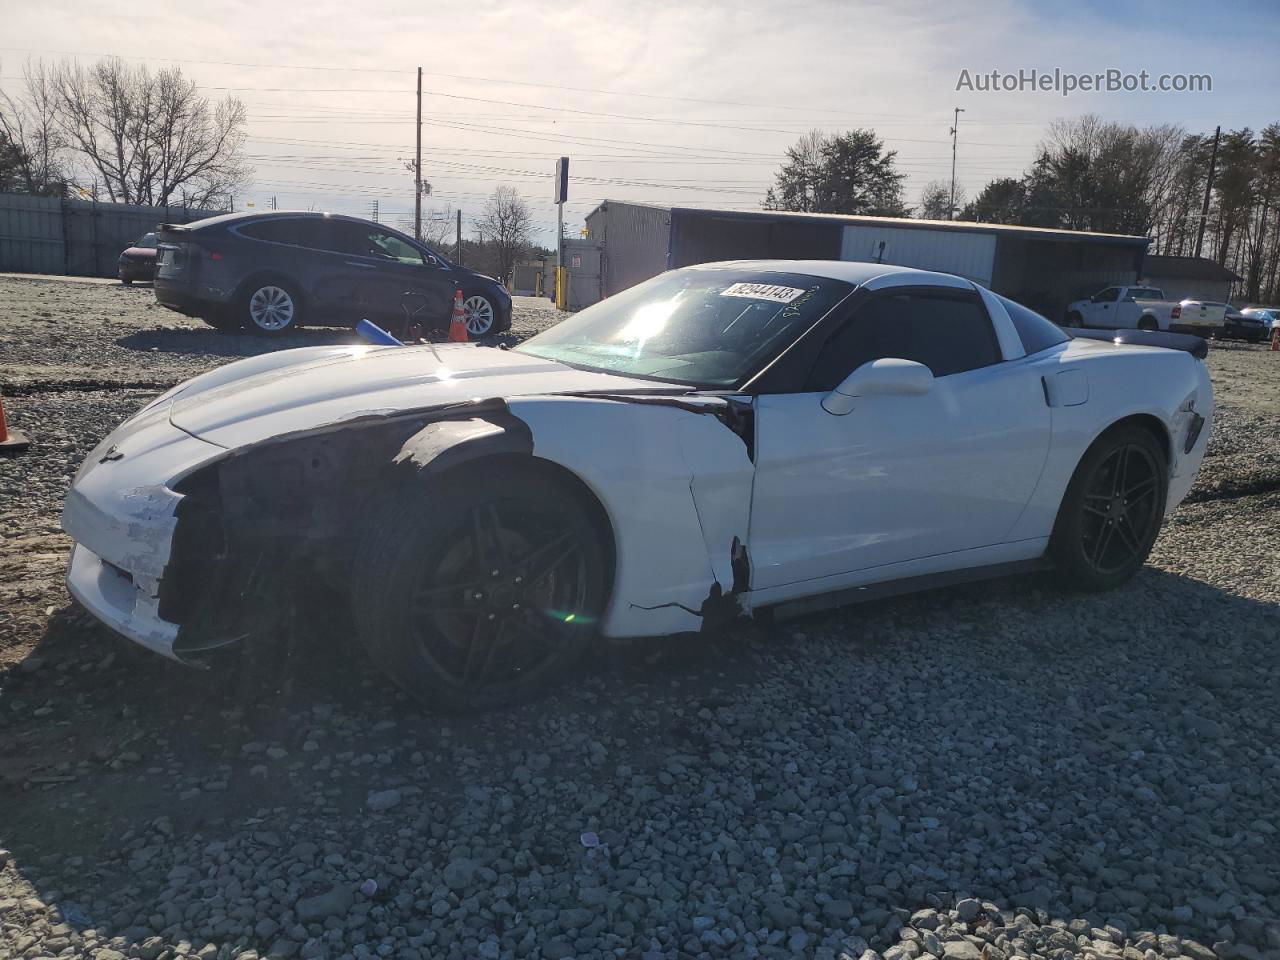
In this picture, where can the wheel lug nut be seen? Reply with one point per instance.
(519, 580)
(515, 606)
(494, 573)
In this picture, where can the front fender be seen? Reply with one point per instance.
(444, 444)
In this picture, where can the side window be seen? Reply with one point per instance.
(947, 334)
(1035, 332)
(389, 245)
(368, 241)
(951, 335)
(1109, 295)
(288, 230)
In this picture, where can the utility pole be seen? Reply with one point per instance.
(561, 195)
(955, 126)
(417, 169)
(1208, 190)
(457, 245)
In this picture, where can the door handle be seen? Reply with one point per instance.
(356, 263)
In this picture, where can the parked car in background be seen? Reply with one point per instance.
(1145, 308)
(1239, 325)
(720, 440)
(1269, 315)
(138, 260)
(269, 273)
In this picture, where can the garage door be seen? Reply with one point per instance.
(968, 255)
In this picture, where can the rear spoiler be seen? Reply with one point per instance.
(171, 231)
(1186, 342)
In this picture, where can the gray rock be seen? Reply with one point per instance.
(968, 909)
(961, 950)
(382, 800)
(334, 902)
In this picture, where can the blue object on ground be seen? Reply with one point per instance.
(375, 334)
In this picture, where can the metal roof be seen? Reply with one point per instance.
(856, 272)
(906, 223)
(1187, 268)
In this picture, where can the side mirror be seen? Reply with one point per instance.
(890, 377)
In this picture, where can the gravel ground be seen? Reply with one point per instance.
(996, 771)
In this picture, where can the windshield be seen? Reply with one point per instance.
(707, 327)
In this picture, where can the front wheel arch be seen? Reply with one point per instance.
(463, 471)
(380, 573)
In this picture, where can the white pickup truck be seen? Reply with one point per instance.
(1145, 308)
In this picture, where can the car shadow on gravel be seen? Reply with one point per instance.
(215, 343)
(110, 754)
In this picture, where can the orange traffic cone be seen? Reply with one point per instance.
(11, 441)
(458, 322)
(1275, 338)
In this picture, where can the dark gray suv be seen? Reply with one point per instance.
(271, 272)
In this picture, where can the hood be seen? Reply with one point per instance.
(293, 390)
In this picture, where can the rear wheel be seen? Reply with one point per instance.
(270, 308)
(1074, 319)
(1149, 324)
(481, 595)
(1112, 510)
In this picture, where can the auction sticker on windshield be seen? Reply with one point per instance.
(762, 291)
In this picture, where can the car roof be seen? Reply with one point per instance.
(246, 216)
(851, 271)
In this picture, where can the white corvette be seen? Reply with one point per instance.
(722, 441)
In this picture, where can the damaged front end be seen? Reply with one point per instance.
(258, 528)
(224, 553)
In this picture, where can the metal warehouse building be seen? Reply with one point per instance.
(1044, 269)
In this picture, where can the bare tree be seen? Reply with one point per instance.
(438, 226)
(505, 225)
(935, 200)
(30, 123)
(151, 138)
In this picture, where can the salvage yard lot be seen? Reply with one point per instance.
(1100, 772)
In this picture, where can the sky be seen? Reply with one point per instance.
(677, 103)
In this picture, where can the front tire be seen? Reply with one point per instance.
(1112, 511)
(481, 315)
(270, 308)
(482, 593)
